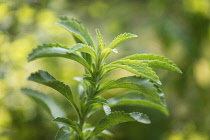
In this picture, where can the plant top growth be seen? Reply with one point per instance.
(144, 85)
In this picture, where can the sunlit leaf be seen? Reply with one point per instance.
(101, 44)
(136, 67)
(107, 51)
(83, 48)
(56, 50)
(155, 61)
(121, 38)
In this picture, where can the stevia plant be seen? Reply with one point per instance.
(143, 86)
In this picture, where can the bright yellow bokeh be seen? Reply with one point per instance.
(202, 72)
(45, 19)
(197, 6)
(25, 14)
(4, 10)
(19, 49)
(5, 118)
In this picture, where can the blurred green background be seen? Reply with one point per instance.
(177, 29)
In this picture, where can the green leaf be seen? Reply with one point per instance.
(43, 77)
(118, 117)
(101, 44)
(99, 100)
(107, 51)
(88, 130)
(136, 67)
(66, 121)
(77, 29)
(121, 38)
(155, 61)
(83, 48)
(63, 134)
(136, 98)
(146, 93)
(45, 101)
(56, 50)
(131, 82)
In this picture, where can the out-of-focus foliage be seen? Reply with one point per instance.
(177, 29)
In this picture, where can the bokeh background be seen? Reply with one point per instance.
(177, 29)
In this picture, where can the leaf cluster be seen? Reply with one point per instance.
(143, 86)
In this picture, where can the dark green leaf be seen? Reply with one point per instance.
(136, 98)
(118, 117)
(63, 134)
(43, 77)
(46, 102)
(66, 121)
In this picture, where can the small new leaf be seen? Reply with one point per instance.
(99, 100)
(83, 48)
(121, 38)
(101, 44)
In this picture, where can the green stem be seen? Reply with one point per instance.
(91, 91)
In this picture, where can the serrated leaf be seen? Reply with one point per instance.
(83, 48)
(66, 121)
(120, 38)
(43, 77)
(145, 94)
(101, 44)
(131, 82)
(136, 98)
(63, 134)
(77, 29)
(118, 117)
(45, 101)
(136, 67)
(56, 50)
(155, 61)
(99, 100)
(107, 51)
